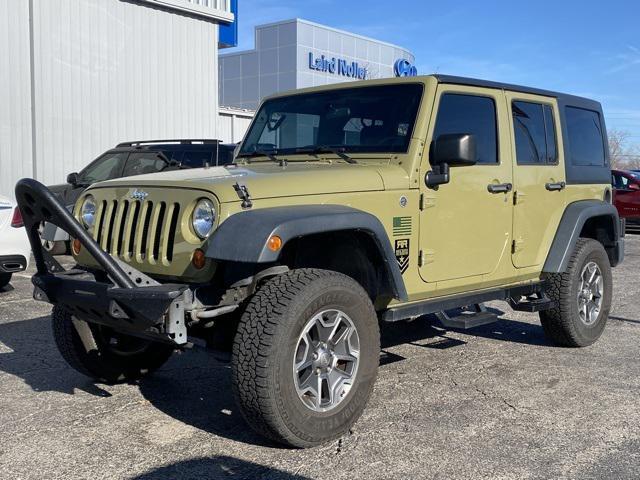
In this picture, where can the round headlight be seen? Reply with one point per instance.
(203, 218)
(88, 212)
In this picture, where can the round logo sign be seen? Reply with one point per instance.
(404, 68)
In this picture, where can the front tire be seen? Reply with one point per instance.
(103, 354)
(303, 328)
(582, 295)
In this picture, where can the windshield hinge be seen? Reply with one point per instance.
(243, 194)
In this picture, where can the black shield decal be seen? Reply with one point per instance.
(402, 254)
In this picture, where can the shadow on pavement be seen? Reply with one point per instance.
(28, 351)
(217, 468)
(428, 329)
(194, 387)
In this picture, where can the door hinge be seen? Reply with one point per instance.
(516, 245)
(420, 258)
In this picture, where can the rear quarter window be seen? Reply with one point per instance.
(586, 143)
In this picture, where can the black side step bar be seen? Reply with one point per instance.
(467, 318)
(532, 303)
(413, 310)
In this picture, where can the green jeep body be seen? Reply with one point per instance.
(421, 224)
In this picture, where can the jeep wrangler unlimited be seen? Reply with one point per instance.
(346, 206)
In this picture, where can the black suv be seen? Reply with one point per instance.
(134, 158)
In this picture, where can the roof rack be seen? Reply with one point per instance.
(184, 141)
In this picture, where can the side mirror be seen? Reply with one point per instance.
(450, 150)
(72, 179)
(454, 149)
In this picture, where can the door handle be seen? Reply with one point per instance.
(557, 186)
(499, 187)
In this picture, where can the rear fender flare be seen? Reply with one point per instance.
(571, 225)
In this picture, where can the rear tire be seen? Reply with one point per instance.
(5, 278)
(569, 323)
(286, 323)
(102, 354)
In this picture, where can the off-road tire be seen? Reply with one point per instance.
(100, 361)
(263, 353)
(562, 324)
(5, 278)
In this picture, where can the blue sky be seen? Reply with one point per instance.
(589, 48)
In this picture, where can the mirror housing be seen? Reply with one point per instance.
(455, 149)
(72, 179)
(450, 150)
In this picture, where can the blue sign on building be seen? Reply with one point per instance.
(404, 68)
(228, 33)
(337, 66)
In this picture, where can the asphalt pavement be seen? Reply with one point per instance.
(496, 402)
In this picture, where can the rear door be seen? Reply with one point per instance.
(538, 176)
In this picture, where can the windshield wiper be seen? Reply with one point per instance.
(265, 153)
(339, 151)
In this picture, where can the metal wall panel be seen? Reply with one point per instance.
(15, 95)
(108, 71)
(104, 71)
(233, 124)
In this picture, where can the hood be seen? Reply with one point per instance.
(268, 180)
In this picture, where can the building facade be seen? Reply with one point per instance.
(297, 53)
(80, 76)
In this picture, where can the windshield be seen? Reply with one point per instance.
(376, 119)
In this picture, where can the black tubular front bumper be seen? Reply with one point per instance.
(127, 301)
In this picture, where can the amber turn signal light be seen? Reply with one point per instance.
(198, 260)
(76, 246)
(274, 243)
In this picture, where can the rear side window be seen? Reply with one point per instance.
(470, 114)
(534, 132)
(585, 137)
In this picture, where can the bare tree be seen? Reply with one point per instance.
(623, 155)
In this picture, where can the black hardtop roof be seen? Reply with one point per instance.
(564, 98)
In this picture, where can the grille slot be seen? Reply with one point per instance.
(137, 231)
(173, 225)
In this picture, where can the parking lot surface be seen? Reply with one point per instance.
(496, 402)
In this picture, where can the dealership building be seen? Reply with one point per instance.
(81, 76)
(297, 53)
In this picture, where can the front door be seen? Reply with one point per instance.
(465, 225)
(538, 177)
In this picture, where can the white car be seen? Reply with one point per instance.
(14, 244)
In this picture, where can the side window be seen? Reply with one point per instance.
(150, 161)
(620, 182)
(104, 168)
(585, 137)
(470, 114)
(535, 134)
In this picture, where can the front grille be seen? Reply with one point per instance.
(137, 231)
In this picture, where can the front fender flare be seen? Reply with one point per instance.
(243, 237)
